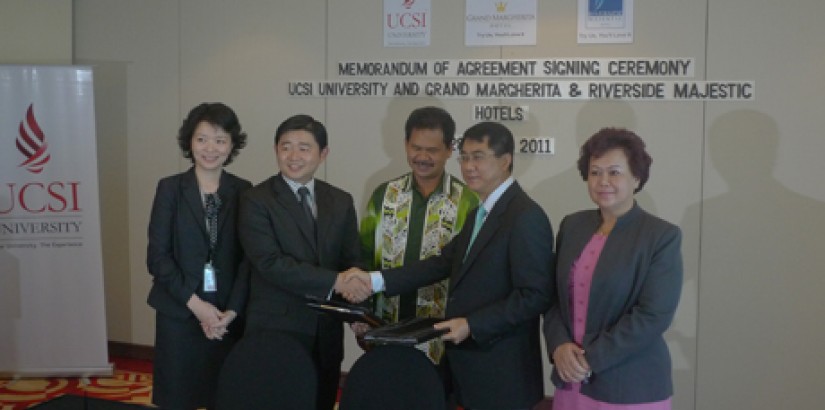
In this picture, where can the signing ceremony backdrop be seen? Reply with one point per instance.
(741, 177)
(52, 319)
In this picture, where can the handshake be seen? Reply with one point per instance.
(354, 285)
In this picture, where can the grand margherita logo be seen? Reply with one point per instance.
(31, 142)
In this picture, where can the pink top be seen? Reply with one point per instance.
(581, 277)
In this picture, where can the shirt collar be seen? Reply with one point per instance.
(295, 185)
(491, 200)
(443, 185)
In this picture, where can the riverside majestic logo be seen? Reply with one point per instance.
(605, 7)
(31, 142)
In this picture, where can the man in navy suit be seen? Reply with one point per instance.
(299, 234)
(500, 270)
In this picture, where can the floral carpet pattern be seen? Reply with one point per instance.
(131, 383)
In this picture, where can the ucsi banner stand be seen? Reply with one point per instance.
(52, 319)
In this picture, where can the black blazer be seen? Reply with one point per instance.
(502, 289)
(179, 245)
(633, 297)
(288, 262)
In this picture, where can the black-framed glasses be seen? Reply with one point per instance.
(476, 157)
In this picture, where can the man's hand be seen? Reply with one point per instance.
(360, 329)
(354, 285)
(459, 329)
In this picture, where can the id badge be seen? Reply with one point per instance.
(210, 283)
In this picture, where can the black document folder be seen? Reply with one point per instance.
(409, 332)
(345, 311)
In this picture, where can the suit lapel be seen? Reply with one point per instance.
(226, 191)
(287, 199)
(574, 243)
(326, 212)
(487, 232)
(191, 194)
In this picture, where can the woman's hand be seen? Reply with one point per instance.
(570, 363)
(208, 315)
(222, 328)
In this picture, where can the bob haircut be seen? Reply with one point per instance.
(217, 114)
(608, 139)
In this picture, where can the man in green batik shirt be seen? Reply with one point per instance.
(413, 216)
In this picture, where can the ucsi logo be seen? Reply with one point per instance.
(36, 197)
(407, 4)
(407, 20)
(39, 197)
(31, 142)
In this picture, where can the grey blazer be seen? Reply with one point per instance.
(502, 288)
(635, 290)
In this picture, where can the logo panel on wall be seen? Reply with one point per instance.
(31, 142)
(500, 23)
(407, 23)
(605, 21)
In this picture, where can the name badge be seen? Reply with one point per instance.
(210, 283)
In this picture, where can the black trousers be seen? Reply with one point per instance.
(186, 363)
(329, 372)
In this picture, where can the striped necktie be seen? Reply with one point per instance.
(303, 192)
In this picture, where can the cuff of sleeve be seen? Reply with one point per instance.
(377, 280)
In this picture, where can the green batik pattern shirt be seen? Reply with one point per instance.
(401, 226)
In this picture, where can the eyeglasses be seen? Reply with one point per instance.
(475, 157)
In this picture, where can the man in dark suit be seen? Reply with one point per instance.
(500, 270)
(299, 233)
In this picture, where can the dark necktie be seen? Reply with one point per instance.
(303, 192)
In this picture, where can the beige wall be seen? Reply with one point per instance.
(760, 273)
(742, 179)
(36, 32)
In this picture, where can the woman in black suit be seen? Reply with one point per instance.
(200, 277)
(619, 278)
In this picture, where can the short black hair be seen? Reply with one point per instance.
(499, 138)
(306, 123)
(217, 114)
(431, 118)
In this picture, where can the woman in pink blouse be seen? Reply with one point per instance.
(618, 277)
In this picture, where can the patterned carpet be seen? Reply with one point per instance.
(131, 383)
